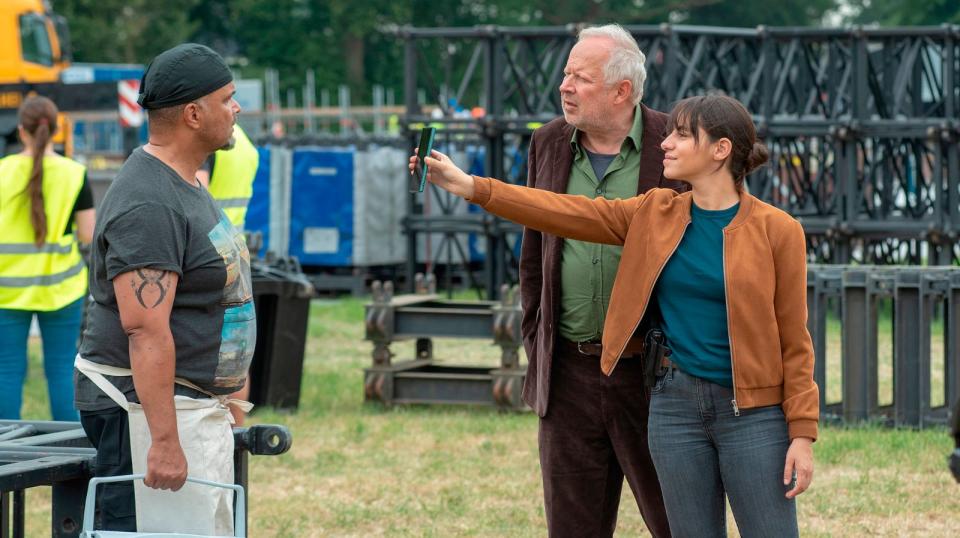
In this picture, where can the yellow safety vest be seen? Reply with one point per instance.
(231, 184)
(51, 276)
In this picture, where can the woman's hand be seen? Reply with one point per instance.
(799, 460)
(443, 173)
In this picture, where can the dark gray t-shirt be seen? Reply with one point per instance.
(150, 217)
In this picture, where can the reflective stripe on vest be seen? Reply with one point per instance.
(232, 202)
(42, 280)
(232, 181)
(53, 275)
(24, 248)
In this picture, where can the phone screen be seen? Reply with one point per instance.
(418, 177)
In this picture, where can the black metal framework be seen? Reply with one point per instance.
(862, 123)
(905, 320)
(426, 380)
(921, 301)
(59, 455)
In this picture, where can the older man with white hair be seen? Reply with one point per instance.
(593, 428)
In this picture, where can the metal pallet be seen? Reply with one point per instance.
(423, 379)
(916, 295)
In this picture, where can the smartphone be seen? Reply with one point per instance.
(418, 177)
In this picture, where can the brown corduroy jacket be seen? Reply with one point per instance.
(765, 278)
(549, 163)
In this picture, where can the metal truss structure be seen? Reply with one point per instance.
(897, 363)
(426, 379)
(913, 352)
(861, 123)
(59, 455)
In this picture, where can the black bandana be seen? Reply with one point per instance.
(182, 74)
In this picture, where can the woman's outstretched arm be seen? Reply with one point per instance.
(597, 220)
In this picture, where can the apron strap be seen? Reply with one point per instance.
(96, 372)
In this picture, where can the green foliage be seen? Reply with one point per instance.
(287, 35)
(900, 13)
(756, 12)
(130, 31)
(352, 41)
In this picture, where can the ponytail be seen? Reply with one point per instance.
(38, 117)
(38, 217)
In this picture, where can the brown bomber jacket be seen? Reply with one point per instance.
(765, 277)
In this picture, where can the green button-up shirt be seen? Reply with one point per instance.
(587, 270)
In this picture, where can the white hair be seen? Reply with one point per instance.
(626, 62)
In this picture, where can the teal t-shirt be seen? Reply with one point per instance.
(692, 300)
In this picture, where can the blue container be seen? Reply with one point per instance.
(258, 210)
(321, 206)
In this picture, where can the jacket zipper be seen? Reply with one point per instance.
(726, 300)
(664, 264)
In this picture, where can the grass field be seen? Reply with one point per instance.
(361, 470)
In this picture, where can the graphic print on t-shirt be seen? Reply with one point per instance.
(238, 337)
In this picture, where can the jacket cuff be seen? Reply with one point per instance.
(802, 428)
(481, 190)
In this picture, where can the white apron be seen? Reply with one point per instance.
(206, 436)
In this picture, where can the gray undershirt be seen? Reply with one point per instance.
(600, 163)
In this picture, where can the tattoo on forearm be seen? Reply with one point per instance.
(150, 285)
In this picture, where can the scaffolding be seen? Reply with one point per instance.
(861, 124)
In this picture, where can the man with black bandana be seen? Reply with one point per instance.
(170, 279)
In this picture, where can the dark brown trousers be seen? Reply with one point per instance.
(594, 434)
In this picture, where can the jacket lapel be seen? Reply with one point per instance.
(560, 166)
(651, 155)
(559, 169)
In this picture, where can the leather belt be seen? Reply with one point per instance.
(634, 347)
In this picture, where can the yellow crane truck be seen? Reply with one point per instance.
(34, 51)
(35, 58)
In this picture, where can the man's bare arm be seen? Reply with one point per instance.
(145, 300)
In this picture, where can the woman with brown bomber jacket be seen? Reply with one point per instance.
(734, 409)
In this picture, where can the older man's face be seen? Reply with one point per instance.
(586, 98)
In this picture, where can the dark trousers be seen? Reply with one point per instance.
(594, 435)
(108, 431)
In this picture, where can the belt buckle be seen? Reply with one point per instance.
(580, 348)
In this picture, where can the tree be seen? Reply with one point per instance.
(751, 13)
(900, 13)
(131, 31)
(741, 13)
(344, 41)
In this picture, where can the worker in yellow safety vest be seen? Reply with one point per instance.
(46, 206)
(229, 175)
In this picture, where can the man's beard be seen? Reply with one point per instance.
(231, 143)
(587, 123)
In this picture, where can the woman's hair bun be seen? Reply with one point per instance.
(757, 157)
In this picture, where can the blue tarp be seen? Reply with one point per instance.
(321, 207)
(258, 211)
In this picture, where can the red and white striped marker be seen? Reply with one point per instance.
(131, 115)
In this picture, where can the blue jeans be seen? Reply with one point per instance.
(60, 331)
(702, 451)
